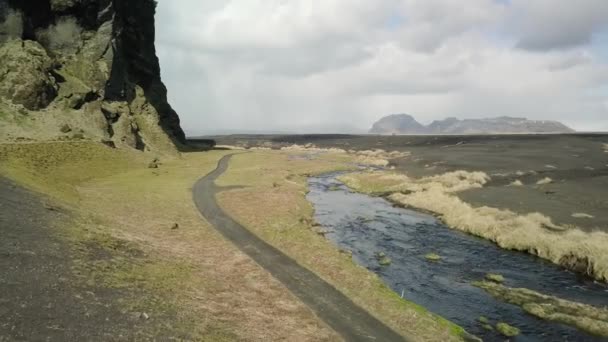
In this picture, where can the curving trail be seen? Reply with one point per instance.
(349, 320)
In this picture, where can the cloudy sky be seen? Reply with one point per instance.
(339, 65)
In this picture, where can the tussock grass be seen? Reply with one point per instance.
(517, 183)
(605, 147)
(383, 182)
(533, 233)
(585, 317)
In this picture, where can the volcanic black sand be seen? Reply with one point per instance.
(339, 312)
(38, 298)
(41, 297)
(576, 164)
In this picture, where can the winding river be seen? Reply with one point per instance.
(367, 225)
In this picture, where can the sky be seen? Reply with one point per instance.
(337, 66)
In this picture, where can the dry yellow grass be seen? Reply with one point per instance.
(273, 205)
(533, 233)
(377, 157)
(212, 291)
(381, 181)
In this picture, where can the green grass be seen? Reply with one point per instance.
(56, 169)
(106, 253)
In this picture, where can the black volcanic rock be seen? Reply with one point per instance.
(398, 124)
(405, 124)
(90, 62)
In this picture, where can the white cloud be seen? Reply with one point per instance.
(337, 65)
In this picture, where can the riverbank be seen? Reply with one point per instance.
(130, 228)
(533, 233)
(437, 267)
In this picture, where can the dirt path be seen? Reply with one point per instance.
(349, 320)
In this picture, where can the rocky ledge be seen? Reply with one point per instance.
(83, 69)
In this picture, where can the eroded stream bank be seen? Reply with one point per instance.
(367, 225)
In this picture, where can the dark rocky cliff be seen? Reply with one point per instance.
(84, 69)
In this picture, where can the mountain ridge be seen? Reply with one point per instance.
(407, 124)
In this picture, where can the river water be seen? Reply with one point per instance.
(367, 225)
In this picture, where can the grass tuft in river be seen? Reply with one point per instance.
(507, 330)
(433, 257)
(585, 317)
(497, 278)
(383, 260)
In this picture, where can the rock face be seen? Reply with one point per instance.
(406, 124)
(87, 63)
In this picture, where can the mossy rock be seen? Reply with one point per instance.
(507, 330)
(483, 319)
(65, 128)
(497, 278)
(383, 260)
(433, 257)
(487, 327)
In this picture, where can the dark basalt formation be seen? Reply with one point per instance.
(406, 124)
(88, 63)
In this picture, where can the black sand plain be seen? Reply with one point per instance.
(577, 164)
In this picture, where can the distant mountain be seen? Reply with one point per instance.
(398, 124)
(406, 124)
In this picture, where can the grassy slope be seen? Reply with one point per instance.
(274, 206)
(190, 281)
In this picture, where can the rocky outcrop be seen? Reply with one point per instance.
(87, 63)
(406, 124)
